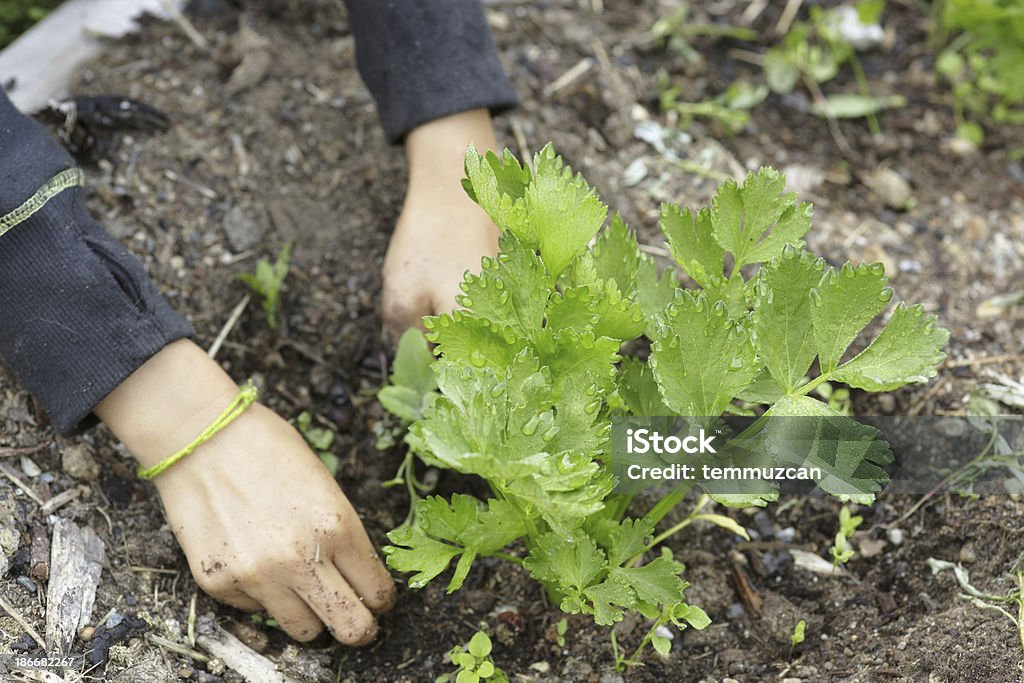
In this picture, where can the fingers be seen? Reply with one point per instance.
(364, 571)
(401, 314)
(292, 614)
(338, 606)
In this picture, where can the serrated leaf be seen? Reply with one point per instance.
(782, 310)
(511, 290)
(564, 210)
(844, 303)
(574, 308)
(655, 583)
(653, 292)
(906, 352)
(701, 359)
(608, 599)
(498, 189)
(499, 525)
(639, 390)
(463, 337)
(414, 551)
(570, 353)
(756, 220)
(572, 562)
(805, 432)
(692, 243)
(617, 256)
(628, 539)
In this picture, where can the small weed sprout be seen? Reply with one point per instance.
(560, 630)
(474, 662)
(842, 551)
(319, 439)
(1013, 599)
(798, 635)
(266, 282)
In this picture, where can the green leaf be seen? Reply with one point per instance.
(467, 676)
(570, 353)
(782, 311)
(845, 302)
(267, 279)
(848, 453)
(573, 308)
(638, 389)
(756, 220)
(906, 352)
(654, 293)
(700, 358)
(607, 601)
(617, 256)
(403, 402)
(662, 645)
(511, 290)
(498, 187)
(463, 337)
(628, 539)
(780, 72)
(479, 645)
(655, 583)
(412, 363)
(853, 106)
(571, 562)
(692, 243)
(414, 551)
(798, 633)
(691, 614)
(564, 210)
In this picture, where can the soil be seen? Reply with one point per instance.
(293, 151)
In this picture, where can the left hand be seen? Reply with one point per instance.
(441, 233)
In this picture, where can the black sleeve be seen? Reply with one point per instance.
(77, 312)
(425, 59)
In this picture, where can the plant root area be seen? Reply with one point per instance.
(274, 139)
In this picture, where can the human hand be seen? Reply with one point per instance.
(441, 233)
(261, 521)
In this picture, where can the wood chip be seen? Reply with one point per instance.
(252, 666)
(76, 558)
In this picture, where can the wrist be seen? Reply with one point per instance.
(167, 402)
(436, 151)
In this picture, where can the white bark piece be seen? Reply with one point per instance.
(77, 556)
(249, 664)
(42, 61)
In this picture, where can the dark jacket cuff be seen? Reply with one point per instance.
(78, 314)
(426, 60)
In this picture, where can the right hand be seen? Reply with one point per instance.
(262, 522)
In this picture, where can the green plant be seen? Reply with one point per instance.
(677, 30)
(798, 635)
(17, 16)
(992, 601)
(474, 662)
(982, 63)
(266, 282)
(560, 630)
(529, 377)
(815, 50)
(842, 551)
(319, 439)
(731, 108)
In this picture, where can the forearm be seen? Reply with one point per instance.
(77, 312)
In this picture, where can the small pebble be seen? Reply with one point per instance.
(895, 536)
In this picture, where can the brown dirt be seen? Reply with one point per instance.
(318, 171)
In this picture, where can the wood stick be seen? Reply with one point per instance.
(251, 665)
(16, 615)
(9, 473)
(232, 320)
